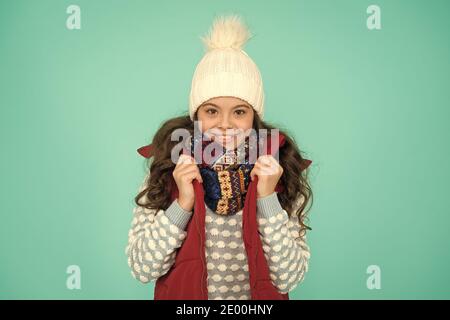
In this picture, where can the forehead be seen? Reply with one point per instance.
(226, 102)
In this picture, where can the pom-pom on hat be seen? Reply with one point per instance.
(226, 69)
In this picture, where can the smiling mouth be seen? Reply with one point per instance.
(228, 138)
(225, 139)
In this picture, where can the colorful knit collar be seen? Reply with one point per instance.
(225, 173)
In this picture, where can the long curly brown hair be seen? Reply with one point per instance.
(157, 190)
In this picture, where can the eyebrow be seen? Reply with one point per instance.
(215, 105)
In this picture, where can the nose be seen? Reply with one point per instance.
(224, 123)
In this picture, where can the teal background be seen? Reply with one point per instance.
(370, 108)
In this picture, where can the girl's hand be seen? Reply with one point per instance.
(184, 173)
(269, 172)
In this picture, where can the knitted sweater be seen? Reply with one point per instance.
(154, 238)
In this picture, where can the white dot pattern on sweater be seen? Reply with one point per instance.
(228, 272)
(153, 241)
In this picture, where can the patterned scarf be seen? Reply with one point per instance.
(226, 175)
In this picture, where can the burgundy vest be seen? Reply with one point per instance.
(187, 279)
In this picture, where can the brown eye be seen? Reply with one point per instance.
(240, 112)
(211, 111)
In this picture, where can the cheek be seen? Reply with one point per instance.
(246, 123)
(206, 123)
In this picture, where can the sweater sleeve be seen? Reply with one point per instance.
(286, 253)
(153, 239)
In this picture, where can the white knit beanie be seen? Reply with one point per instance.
(225, 69)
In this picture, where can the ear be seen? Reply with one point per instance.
(146, 151)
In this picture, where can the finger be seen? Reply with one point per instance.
(182, 167)
(276, 165)
(278, 169)
(184, 161)
(270, 169)
(189, 170)
(267, 161)
(188, 159)
(263, 171)
(264, 160)
(188, 177)
(252, 173)
(271, 159)
(272, 166)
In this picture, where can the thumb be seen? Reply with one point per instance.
(252, 174)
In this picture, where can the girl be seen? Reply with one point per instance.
(229, 227)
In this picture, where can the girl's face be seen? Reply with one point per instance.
(226, 120)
